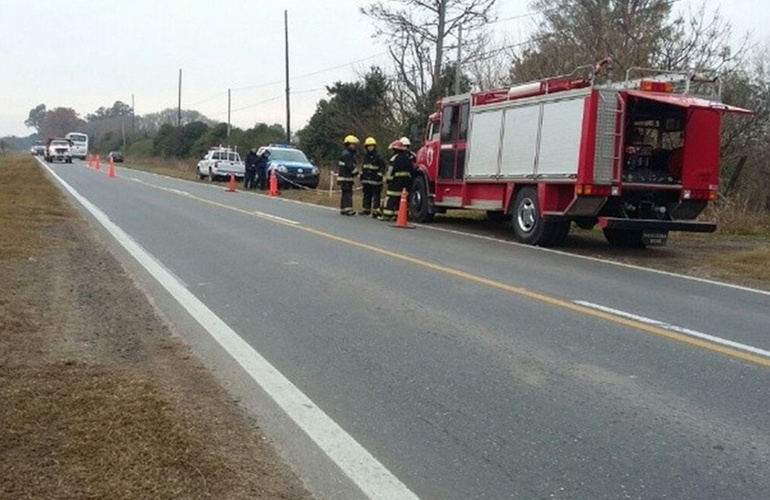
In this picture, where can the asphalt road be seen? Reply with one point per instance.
(473, 368)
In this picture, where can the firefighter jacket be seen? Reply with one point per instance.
(346, 167)
(373, 169)
(400, 173)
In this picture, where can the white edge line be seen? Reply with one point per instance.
(603, 261)
(674, 328)
(275, 217)
(365, 471)
(521, 245)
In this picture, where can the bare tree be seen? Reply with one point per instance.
(578, 32)
(416, 32)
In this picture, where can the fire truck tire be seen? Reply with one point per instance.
(529, 227)
(419, 202)
(624, 238)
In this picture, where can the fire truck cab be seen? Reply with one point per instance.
(639, 158)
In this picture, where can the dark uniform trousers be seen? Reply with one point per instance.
(346, 172)
(371, 182)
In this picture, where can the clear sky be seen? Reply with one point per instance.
(85, 54)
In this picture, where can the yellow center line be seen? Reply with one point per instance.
(522, 292)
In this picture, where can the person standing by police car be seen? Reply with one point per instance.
(371, 178)
(346, 174)
(399, 177)
(261, 168)
(249, 177)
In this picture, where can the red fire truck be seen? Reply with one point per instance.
(639, 158)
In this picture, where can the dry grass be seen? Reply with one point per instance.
(735, 217)
(28, 202)
(80, 431)
(135, 416)
(183, 169)
(753, 264)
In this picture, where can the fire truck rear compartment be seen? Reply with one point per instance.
(653, 143)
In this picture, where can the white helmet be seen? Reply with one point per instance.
(405, 141)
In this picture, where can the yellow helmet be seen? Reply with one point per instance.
(350, 139)
(370, 141)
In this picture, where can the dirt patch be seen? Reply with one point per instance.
(98, 399)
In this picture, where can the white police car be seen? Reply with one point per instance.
(291, 165)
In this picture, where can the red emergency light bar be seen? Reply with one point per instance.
(650, 86)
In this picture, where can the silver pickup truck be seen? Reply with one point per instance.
(58, 150)
(219, 163)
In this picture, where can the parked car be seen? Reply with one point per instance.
(219, 163)
(115, 156)
(291, 165)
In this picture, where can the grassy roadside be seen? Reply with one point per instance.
(97, 399)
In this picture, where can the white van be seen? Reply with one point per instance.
(79, 144)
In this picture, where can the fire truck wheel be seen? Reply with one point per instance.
(527, 224)
(419, 202)
(530, 228)
(624, 238)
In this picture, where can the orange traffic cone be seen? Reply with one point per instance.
(111, 170)
(274, 184)
(98, 162)
(231, 184)
(403, 211)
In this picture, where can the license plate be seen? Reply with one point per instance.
(300, 176)
(655, 238)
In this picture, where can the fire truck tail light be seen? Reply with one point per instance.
(593, 190)
(649, 86)
(699, 194)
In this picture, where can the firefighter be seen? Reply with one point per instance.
(371, 178)
(260, 167)
(346, 174)
(399, 177)
(249, 179)
(406, 142)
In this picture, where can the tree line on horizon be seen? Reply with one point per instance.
(419, 34)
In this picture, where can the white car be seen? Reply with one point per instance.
(219, 163)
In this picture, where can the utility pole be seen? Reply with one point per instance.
(228, 113)
(441, 28)
(133, 116)
(458, 73)
(288, 106)
(179, 105)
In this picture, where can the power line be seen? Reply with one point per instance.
(331, 68)
(274, 98)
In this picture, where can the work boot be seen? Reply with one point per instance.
(364, 212)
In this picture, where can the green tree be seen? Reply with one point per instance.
(363, 108)
(60, 121)
(36, 117)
